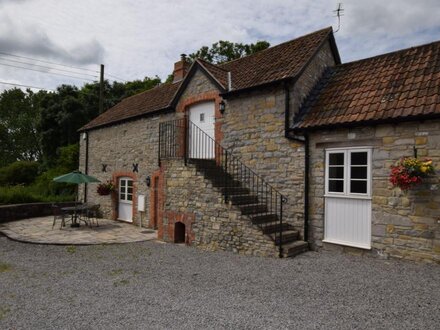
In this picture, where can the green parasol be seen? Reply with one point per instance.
(75, 177)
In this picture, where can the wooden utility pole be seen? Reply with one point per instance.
(101, 90)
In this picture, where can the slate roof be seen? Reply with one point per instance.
(152, 100)
(402, 84)
(282, 61)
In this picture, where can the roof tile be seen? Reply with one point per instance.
(405, 83)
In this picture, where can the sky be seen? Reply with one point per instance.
(135, 39)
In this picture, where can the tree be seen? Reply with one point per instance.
(224, 51)
(19, 115)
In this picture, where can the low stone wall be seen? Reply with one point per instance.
(210, 224)
(30, 210)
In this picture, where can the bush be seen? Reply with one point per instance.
(22, 172)
(21, 194)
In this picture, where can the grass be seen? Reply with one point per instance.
(121, 282)
(4, 267)
(71, 249)
(115, 272)
(3, 312)
(29, 194)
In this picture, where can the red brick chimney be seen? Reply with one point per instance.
(180, 68)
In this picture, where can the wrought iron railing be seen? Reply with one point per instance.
(181, 138)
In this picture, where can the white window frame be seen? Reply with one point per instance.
(123, 189)
(347, 172)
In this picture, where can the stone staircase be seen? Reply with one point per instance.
(252, 206)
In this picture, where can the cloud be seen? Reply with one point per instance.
(135, 39)
(375, 26)
(31, 40)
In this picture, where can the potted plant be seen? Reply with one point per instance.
(106, 188)
(409, 172)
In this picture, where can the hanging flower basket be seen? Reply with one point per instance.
(105, 189)
(410, 172)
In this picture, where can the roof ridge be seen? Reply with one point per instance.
(273, 47)
(390, 53)
(209, 63)
(146, 91)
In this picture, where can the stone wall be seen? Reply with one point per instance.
(323, 59)
(29, 210)
(210, 223)
(119, 147)
(254, 128)
(404, 224)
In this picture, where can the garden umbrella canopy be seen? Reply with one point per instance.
(75, 177)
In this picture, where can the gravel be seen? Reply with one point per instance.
(150, 285)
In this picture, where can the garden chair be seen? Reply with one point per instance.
(58, 214)
(93, 213)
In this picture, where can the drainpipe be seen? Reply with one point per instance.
(306, 186)
(86, 165)
(286, 109)
(305, 140)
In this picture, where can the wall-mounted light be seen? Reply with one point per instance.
(148, 181)
(222, 107)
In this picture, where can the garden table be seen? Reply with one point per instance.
(77, 210)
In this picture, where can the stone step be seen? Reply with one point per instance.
(264, 218)
(253, 209)
(288, 237)
(204, 163)
(220, 182)
(216, 175)
(243, 199)
(231, 191)
(273, 228)
(295, 248)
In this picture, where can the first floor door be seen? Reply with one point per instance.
(125, 206)
(201, 137)
(348, 197)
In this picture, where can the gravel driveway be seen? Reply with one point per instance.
(150, 285)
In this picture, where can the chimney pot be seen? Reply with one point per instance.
(180, 68)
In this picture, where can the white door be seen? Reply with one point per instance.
(125, 210)
(348, 197)
(201, 141)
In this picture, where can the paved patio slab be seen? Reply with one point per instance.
(39, 230)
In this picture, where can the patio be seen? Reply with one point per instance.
(39, 230)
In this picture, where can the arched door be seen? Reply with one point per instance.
(201, 145)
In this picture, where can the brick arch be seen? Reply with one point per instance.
(213, 96)
(115, 198)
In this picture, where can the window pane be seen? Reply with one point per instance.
(130, 190)
(359, 158)
(335, 185)
(122, 196)
(358, 187)
(336, 159)
(129, 197)
(336, 172)
(359, 172)
(129, 183)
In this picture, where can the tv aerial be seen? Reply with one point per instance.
(338, 13)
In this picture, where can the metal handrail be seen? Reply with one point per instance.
(181, 138)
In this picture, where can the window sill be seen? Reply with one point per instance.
(348, 196)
